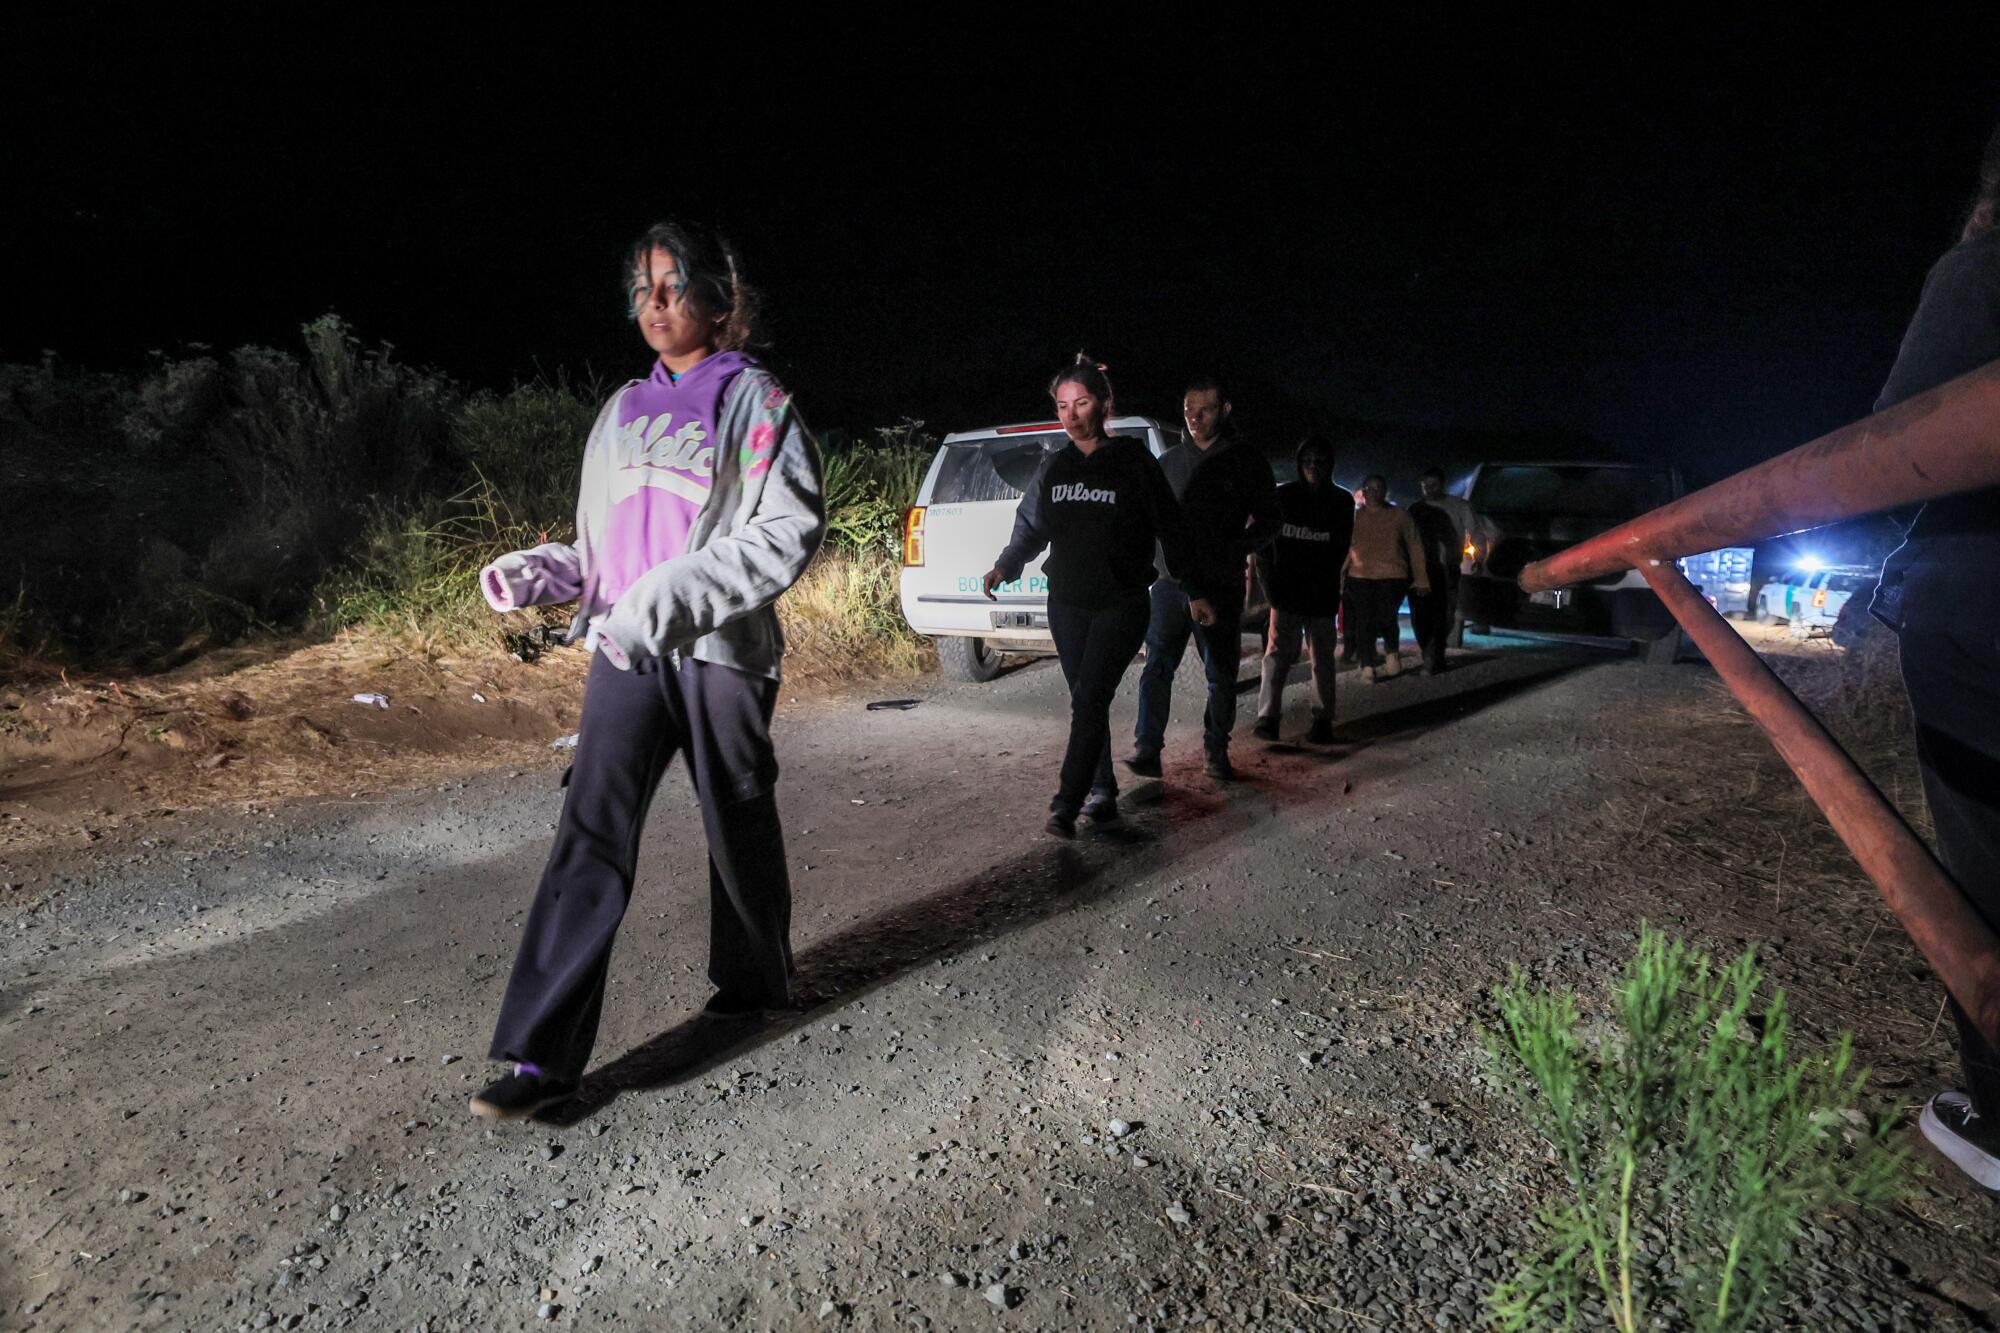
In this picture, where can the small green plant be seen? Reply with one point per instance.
(1692, 1141)
(871, 483)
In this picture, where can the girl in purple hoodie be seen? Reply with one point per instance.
(700, 503)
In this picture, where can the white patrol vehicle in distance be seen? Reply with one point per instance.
(962, 520)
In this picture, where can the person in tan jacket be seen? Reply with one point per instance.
(1384, 563)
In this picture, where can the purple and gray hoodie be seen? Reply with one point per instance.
(700, 503)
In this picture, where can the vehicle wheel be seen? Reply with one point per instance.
(964, 657)
(1663, 650)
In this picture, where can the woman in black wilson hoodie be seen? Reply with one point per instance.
(1302, 580)
(1098, 505)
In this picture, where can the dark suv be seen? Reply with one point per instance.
(1528, 511)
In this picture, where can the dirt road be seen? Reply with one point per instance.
(1217, 1069)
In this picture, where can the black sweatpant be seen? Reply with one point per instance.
(1431, 614)
(1373, 603)
(1953, 679)
(634, 722)
(1095, 646)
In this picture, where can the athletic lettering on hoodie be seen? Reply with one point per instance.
(662, 467)
(1098, 515)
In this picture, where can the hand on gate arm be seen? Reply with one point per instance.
(994, 578)
(1201, 611)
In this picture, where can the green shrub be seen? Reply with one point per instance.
(871, 484)
(1692, 1141)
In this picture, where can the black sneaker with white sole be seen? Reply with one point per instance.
(519, 1095)
(1960, 1133)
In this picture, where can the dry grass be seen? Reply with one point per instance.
(842, 621)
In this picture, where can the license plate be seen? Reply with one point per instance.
(1020, 620)
(1556, 598)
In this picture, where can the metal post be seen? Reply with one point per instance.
(1958, 943)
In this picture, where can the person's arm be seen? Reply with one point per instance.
(1170, 525)
(553, 572)
(745, 569)
(1413, 551)
(1264, 521)
(1031, 532)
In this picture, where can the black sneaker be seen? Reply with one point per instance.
(1320, 732)
(519, 1095)
(1217, 766)
(1060, 825)
(1266, 729)
(1145, 763)
(1102, 809)
(1957, 1131)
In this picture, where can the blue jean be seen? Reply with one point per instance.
(1221, 649)
(1095, 645)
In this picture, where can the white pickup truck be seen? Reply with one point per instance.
(962, 520)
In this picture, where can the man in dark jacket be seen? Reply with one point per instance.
(1230, 499)
(1301, 575)
(1442, 522)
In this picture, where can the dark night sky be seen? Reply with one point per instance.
(1694, 240)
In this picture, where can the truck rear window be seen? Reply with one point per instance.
(1579, 491)
(996, 469)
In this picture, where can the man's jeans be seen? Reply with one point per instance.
(1221, 649)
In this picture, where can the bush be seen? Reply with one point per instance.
(1693, 1146)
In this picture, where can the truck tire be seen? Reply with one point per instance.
(964, 657)
(1663, 650)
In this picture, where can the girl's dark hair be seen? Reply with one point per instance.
(711, 279)
(1979, 219)
(1087, 372)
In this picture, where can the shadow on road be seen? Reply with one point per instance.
(1046, 879)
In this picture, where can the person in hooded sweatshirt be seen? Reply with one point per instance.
(1301, 573)
(700, 502)
(1100, 506)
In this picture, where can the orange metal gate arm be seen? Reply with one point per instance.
(1936, 444)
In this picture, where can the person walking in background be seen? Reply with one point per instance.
(700, 503)
(1385, 561)
(1301, 572)
(1938, 593)
(1230, 498)
(1443, 522)
(1350, 619)
(1101, 507)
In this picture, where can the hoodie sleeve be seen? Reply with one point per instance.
(1031, 533)
(745, 568)
(1413, 550)
(1264, 521)
(1171, 526)
(553, 573)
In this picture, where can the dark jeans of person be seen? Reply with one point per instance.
(1374, 603)
(1095, 646)
(1281, 650)
(1953, 679)
(1431, 613)
(1221, 649)
(634, 722)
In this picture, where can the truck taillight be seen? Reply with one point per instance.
(913, 536)
(1819, 598)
